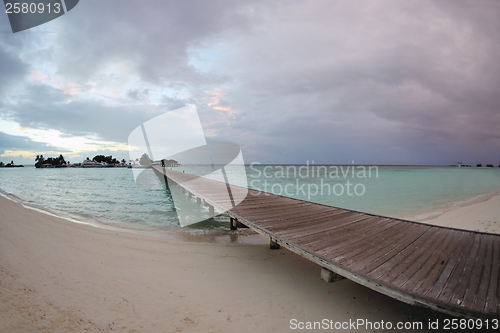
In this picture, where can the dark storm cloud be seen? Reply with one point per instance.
(152, 39)
(392, 76)
(10, 68)
(376, 82)
(12, 71)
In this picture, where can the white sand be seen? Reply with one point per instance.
(480, 215)
(59, 276)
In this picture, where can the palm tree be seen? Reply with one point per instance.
(61, 160)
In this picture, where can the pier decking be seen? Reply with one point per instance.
(449, 270)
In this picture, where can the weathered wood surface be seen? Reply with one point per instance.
(450, 270)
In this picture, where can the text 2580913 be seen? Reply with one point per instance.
(33, 8)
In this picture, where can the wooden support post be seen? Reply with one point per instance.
(190, 195)
(329, 276)
(183, 190)
(240, 225)
(211, 209)
(273, 245)
(198, 200)
(166, 182)
(232, 224)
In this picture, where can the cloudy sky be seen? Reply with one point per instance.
(374, 82)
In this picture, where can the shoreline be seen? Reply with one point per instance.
(59, 276)
(188, 234)
(481, 213)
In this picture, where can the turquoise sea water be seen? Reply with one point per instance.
(110, 195)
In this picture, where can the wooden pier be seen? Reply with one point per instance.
(449, 270)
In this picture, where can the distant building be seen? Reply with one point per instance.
(171, 163)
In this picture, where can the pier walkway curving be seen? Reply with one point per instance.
(449, 270)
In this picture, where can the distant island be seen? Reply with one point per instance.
(460, 164)
(97, 161)
(58, 162)
(100, 161)
(10, 165)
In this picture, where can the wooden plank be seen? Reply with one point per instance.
(313, 225)
(449, 289)
(266, 208)
(289, 229)
(370, 264)
(472, 262)
(257, 200)
(341, 251)
(424, 262)
(278, 209)
(406, 262)
(422, 282)
(474, 275)
(251, 201)
(338, 235)
(320, 227)
(391, 242)
(275, 215)
(451, 266)
(492, 300)
(261, 216)
(299, 220)
(334, 248)
(335, 230)
(379, 246)
(397, 263)
(484, 282)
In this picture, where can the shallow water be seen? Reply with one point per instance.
(110, 195)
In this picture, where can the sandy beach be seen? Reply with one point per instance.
(60, 276)
(482, 214)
